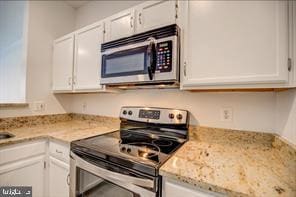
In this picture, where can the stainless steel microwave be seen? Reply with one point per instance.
(143, 59)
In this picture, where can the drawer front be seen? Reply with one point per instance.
(60, 151)
(19, 151)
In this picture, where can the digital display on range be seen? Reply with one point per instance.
(151, 114)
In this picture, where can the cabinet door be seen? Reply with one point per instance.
(120, 25)
(235, 42)
(63, 53)
(154, 14)
(87, 69)
(292, 20)
(58, 178)
(175, 189)
(27, 172)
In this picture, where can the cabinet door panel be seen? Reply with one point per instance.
(63, 63)
(293, 39)
(29, 172)
(88, 58)
(58, 178)
(120, 25)
(236, 42)
(178, 190)
(154, 14)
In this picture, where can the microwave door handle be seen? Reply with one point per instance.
(151, 51)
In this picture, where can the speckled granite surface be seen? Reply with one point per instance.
(63, 127)
(235, 163)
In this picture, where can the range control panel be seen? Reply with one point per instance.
(151, 114)
(164, 56)
(154, 115)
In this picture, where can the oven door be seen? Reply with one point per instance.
(141, 62)
(93, 178)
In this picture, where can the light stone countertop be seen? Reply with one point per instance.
(235, 163)
(67, 130)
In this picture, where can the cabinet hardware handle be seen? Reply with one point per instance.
(68, 179)
(59, 152)
(289, 64)
(70, 81)
(74, 80)
(184, 69)
(140, 18)
(131, 21)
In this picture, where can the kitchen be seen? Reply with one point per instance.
(148, 98)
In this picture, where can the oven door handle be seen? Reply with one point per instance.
(109, 175)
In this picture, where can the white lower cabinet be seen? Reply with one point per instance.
(172, 188)
(59, 168)
(42, 165)
(23, 165)
(28, 172)
(58, 178)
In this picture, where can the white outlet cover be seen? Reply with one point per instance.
(38, 106)
(226, 114)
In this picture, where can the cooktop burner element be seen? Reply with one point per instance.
(143, 143)
(162, 143)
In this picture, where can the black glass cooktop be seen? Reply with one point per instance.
(141, 149)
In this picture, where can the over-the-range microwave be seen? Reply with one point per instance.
(150, 58)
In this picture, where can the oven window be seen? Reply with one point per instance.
(125, 63)
(90, 185)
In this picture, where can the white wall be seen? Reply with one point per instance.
(251, 111)
(48, 20)
(286, 115)
(97, 10)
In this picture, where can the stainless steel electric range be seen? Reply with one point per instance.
(125, 163)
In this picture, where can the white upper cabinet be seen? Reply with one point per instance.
(235, 43)
(155, 14)
(63, 63)
(120, 25)
(87, 69)
(292, 32)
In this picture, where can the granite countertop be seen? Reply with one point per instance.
(235, 163)
(61, 128)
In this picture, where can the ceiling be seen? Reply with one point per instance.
(76, 4)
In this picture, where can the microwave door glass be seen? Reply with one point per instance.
(125, 63)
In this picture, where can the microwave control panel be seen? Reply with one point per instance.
(164, 56)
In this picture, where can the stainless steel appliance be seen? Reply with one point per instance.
(147, 58)
(126, 162)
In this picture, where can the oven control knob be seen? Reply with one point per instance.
(130, 113)
(179, 116)
(123, 149)
(171, 116)
(128, 150)
(124, 112)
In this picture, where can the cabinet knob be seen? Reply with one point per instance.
(131, 22)
(140, 18)
(68, 179)
(69, 81)
(59, 152)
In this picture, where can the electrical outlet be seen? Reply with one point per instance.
(226, 114)
(38, 106)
